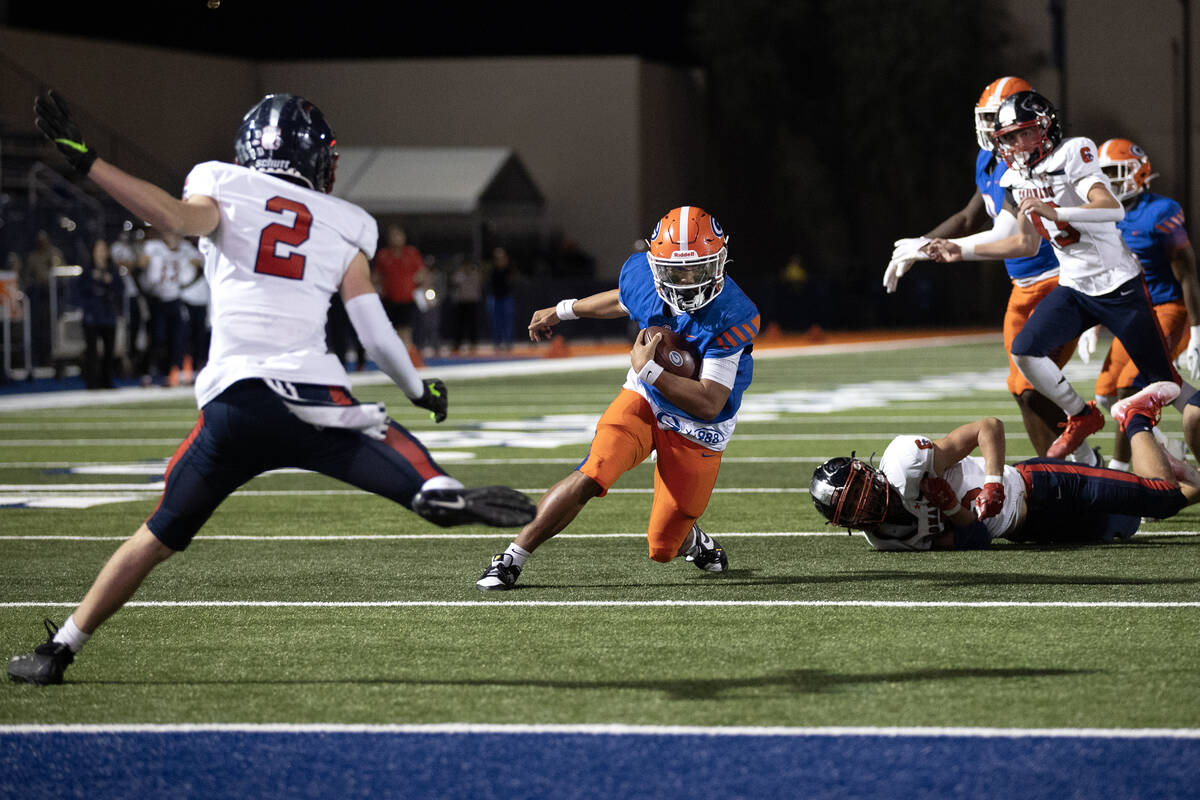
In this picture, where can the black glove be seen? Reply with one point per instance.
(435, 398)
(54, 120)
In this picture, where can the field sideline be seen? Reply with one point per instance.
(318, 641)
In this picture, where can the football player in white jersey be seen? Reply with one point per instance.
(1057, 191)
(276, 247)
(932, 494)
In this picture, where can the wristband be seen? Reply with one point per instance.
(649, 373)
(967, 249)
(565, 309)
(993, 479)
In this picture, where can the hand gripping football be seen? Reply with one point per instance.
(675, 353)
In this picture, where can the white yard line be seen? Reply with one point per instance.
(603, 729)
(691, 603)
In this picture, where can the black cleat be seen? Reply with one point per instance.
(707, 553)
(498, 506)
(500, 575)
(45, 665)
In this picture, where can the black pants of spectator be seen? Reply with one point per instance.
(198, 335)
(99, 343)
(466, 324)
(167, 334)
(340, 335)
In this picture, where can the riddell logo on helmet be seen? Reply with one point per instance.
(684, 254)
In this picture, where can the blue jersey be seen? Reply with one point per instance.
(1153, 229)
(722, 328)
(988, 171)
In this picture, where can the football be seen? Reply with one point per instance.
(675, 353)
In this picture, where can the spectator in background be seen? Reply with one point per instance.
(396, 267)
(431, 295)
(166, 260)
(466, 295)
(101, 297)
(500, 299)
(34, 281)
(194, 294)
(126, 254)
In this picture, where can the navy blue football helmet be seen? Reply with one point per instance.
(287, 136)
(851, 493)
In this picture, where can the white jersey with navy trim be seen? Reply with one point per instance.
(277, 256)
(1092, 256)
(909, 459)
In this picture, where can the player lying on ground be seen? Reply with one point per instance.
(934, 495)
(680, 284)
(277, 247)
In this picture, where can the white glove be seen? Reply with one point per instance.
(1087, 344)
(1191, 356)
(905, 252)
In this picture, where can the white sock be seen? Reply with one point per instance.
(1084, 454)
(71, 636)
(441, 482)
(1048, 379)
(1123, 466)
(518, 553)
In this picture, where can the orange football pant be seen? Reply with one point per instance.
(1119, 371)
(1021, 303)
(683, 478)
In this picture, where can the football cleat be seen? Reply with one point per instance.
(498, 506)
(706, 553)
(1148, 403)
(45, 665)
(500, 575)
(1075, 430)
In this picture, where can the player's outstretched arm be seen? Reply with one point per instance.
(383, 345)
(605, 305)
(987, 434)
(197, 216)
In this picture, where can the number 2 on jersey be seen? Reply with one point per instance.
(271, 263)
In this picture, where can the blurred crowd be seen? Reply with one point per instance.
(135, 309)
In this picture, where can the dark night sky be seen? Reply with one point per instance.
(654, 29)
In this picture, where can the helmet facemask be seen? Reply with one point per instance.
(851, 494)
(689, 283)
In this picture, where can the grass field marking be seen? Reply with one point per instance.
(601, 729)
(910, 604)
(383, 537)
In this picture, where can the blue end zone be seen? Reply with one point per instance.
(214, 764)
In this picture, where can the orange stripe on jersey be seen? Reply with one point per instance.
(749, 332)
(755, 323)
(736, 335)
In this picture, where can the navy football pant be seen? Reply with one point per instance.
(247, 430)
(1126, 311)
(1068, 502)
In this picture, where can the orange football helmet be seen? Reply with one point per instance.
(1126, 166)
(687, 254)
(989, 103)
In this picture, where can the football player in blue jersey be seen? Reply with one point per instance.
(680, 283)
(1033, 277)
(1153, 228)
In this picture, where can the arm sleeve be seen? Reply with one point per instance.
(382, 344)
(721, 370)
(1004, 226)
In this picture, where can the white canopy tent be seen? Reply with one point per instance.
(464, 183)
